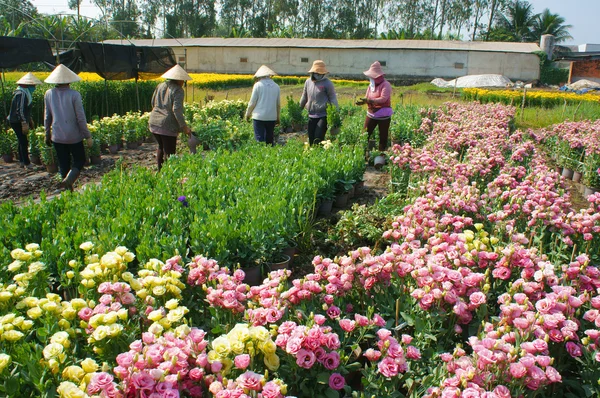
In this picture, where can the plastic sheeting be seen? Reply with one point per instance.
(472, 81)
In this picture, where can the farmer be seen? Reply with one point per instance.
(20, 115)
(318, 92)
(378, 100)
(166, 118)
(264, 105)
(65, 124)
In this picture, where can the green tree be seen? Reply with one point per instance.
(517, 22)
(547, 23)
(15, 12)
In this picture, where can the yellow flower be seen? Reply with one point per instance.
(50, 306)
(182, 331)
(122, 314)
(20, 254)
(89, 365)
(221, 346)
(128, 257)
(115, 330)
(32, 247)
(86, 246)
(110, 318)
(172, 304)
(61, 338)
(121, 250)
(155, 315)
(268, 347)
(272, 362)
(70, 274)
(26, 325)
(100, 333)
(12, 335)
(87, 273)
(53, 350)
(69, 313)
(176, 314)
(4, 361)
(159, 290)
(5, 296)
(67, 389)
(259, 333)
(34, 313)
(15, 266)
(155, 329)
(36, 267)
(64, 324)
(73, 373)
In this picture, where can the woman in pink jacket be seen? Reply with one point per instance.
(378, 100)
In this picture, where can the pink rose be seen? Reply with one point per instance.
(574, 349)
(372, 355)
(125, 359)
(85, 313)
(502, 392)
(331, 360)
(413, 352)
(271, 390)
(242, 361)
(196, 374)
(143, 381)
(517, 370)
(305, 359)
(250, 380)
(388, 367)
(383, 334)
(347, 325)
(477, 298)
(337, 381)
(553, 375)
(333, 312)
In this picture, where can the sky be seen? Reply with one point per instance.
(582, 14)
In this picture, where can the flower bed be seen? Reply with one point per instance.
(533, 98)
(486, 287)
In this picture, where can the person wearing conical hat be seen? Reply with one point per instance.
(378, 101)
(166, 117)
(66, 125)
(19, 116)
(318, 92)
(264, 106)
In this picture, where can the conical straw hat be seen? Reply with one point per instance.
(264, 71)
(62, 75)
(29, 80)
(176, 73)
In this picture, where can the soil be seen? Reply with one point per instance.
(19, 185)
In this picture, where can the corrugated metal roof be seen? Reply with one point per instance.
(328, 43)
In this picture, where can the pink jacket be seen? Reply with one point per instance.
(380, 98)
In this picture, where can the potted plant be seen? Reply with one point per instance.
(6, 145)
(334, 119)
(295, 113)
(591, 174)
(95, 153)
(48, 155)
(379, 159)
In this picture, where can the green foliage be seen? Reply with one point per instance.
(295, 112)
(7, 139)
(405, 123)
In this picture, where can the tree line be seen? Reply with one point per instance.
(488, 20)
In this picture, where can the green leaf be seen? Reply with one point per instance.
(409, 319)
(12, 385)
(323, 378)
(332, 394)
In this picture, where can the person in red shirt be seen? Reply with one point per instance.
(378, 100)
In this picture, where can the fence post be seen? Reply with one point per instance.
(523, 103)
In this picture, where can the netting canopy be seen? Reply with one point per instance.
(110, 61)
(15, 51)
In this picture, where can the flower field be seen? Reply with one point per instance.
(486, 283)
(533, 97)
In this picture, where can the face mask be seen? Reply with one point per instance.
(31, 89)
(317, 76)
(371, 84)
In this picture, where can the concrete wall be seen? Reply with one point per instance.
(416, 65)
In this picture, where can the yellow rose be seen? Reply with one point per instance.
(110, 318)
(259, 333)
(50, 306)
(86, 246)
(127, 276)
(67, 389)
(89, 283)
(155, 329)
(155, 315)
(268, 347)
(115, 329)
(122, 314)
(100, 333)
(182, 331)
(73, 373)
(159, 290)
(236, 346)
(64, 324)
(239, 332)
(94, 258)
(221, 346)
(5, 296)
(129, 257)
(34, 313)
(18, 321)
(61, 338)
(53, 297)
(165, 323)
(176, 314)
(69, 313)
(52, 350)
(36, 267)
(4, 361)
(19, 291)
(20, 254)
(110, 260)
(121, 250)
(271, 362)
(15, 266)
(26, 325)
(89, 365)
(141, 293)
(32, 247)
(172, 304)
(87, 273)
(213, 356)
(70, 274)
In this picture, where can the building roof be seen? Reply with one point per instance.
(583, 56)
(329, 43)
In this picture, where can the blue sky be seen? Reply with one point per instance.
(582, 14)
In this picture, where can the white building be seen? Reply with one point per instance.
(403, 60)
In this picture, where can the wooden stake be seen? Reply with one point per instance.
(523, 103)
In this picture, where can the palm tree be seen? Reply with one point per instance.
(547, 23)
(518, 21)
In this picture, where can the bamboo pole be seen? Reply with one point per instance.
(523, 103)
(2, 78)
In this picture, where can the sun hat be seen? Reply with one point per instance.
(62, 75)
(374, 71)
(29, 80)
(318, 67)
(264, 71)
(176, 73)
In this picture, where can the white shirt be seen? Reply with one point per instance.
(264, 102)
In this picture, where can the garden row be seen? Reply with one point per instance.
(531, 98)
(574, 146)
(485, 288)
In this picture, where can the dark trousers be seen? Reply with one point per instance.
(317, 127)
(65, 152)
(263, 130)
(23, 143)
(384, 128)
(167, 146)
